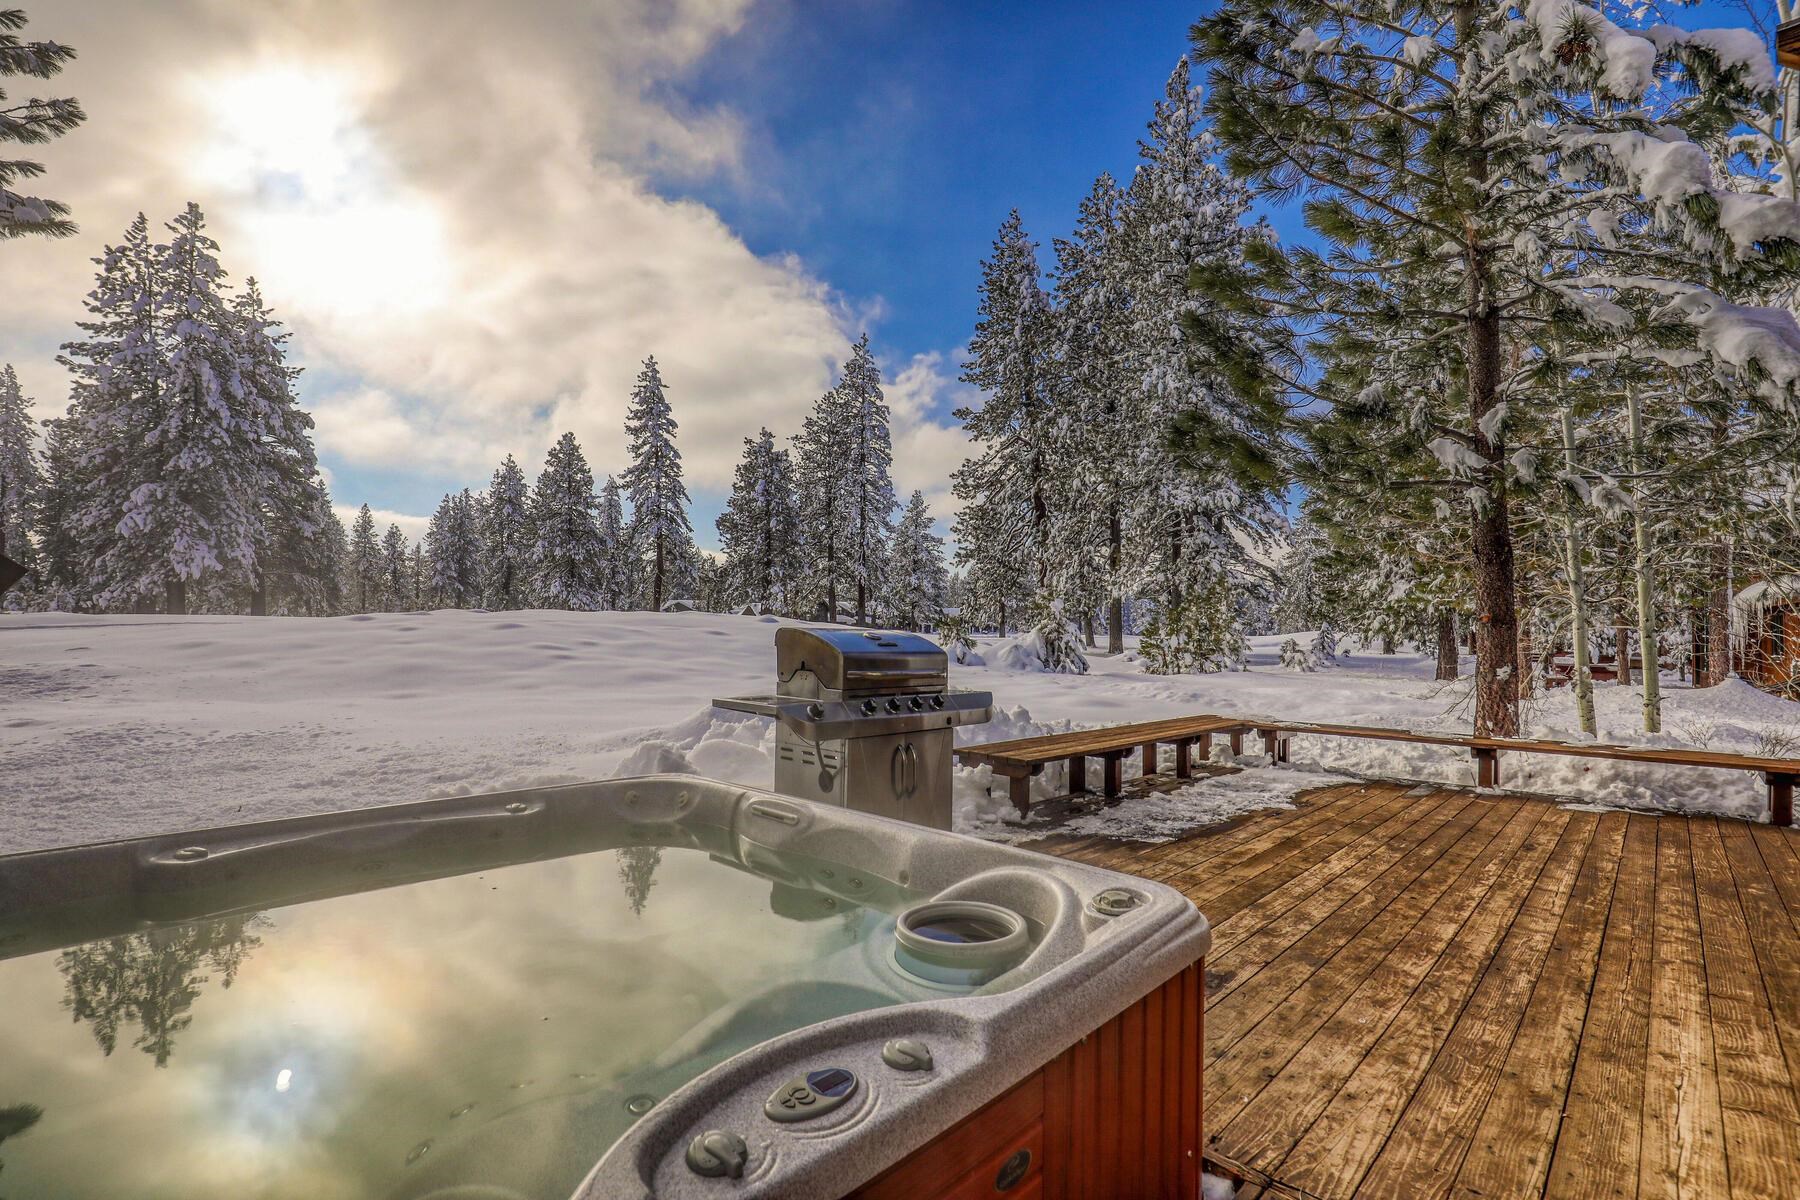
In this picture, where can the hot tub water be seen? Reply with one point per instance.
(501, 1028)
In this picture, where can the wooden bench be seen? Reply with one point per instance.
(1780, 774)
(1020, 759)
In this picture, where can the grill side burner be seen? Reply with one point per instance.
(865, 721)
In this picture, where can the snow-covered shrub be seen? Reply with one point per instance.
(1324, 649)
(1293, 658)
(1778, 741)
(1057, 648)
(1197, 634)
(1697, 731)
(953, 634)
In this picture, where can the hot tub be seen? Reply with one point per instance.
(661, 986)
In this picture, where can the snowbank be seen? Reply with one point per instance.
(114, 726)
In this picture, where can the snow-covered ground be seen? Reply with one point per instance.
(112, 726)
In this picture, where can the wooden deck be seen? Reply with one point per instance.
(1424, 992)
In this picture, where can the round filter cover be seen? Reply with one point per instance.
(1116, 902)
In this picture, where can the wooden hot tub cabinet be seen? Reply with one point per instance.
(1118, 1114)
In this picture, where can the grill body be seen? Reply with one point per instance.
(866, 721)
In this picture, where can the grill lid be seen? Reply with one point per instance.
(855, 662)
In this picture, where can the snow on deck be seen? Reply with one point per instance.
(116, 726)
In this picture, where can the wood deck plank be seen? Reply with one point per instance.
(1597, 1146)
(1683, 1133)
(1448, 943)
(1773, 937)
(1279, 957)
(1756, 1089)
(1318, 891)
(1315, 817)
(1279, 1011)
(1418, 1092)
(1781, 853)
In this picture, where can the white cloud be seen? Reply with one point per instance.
(412, 526)
(928, 443)
(454, 208)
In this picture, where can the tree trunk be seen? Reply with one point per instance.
(1115, 605)
(175, 597)
(1646, 608)
(1387, 643)
(656, 578)
(1718, 616)
(1447, 648)
(862, 603)
(1526, 676)
(1087, 629)
(1623, 636)
(1584, 677)
(259, 596)
(1496, 621)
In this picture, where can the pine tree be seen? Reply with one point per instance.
(917, 580)
(569, 558)
(1494, 192)
(60, 545)
(452, 551)
(659, 499)
(365, 563)
(395, 594)
(1006, 488)
(868, 474)
(619, 559)
(506, 539)
(31, 122)
(759, 529)
(21, 479)
(822, 449)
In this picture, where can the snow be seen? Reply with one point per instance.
(117, 726)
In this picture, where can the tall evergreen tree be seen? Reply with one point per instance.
(868, 473)
(759, 529)
(21, 478)
(619, 560)
(31, 122)
(659, 499)
(395, 592)
(917, 579)
(60, 544)
(822, 449)
(569, 558)
(1005, 489)
(1485, 185)
(453, 550)
(506, 539)
(364, 563)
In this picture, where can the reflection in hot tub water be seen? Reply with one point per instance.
(500, 1029)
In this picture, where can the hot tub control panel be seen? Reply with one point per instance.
(811, 1095)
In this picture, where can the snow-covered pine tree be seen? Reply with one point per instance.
(60, 545)
(760, 527)
(1293, 658)
(1093, 382)
(395, 593)
(1058, 651)
(620, 563)
(569, 558)
(453, 551)
(193, 506)
(119, 371)
(870, 491)
(917, 579)
(822, 448)
(1188, 528)
(364, 563)
(1005, 488)
(659, 499)
(506, 539)
(1324, 647)
(287, 561)
(1489, 183)
(31, 122)
(21, 479)
(418, 575)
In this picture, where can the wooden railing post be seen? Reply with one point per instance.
(1184, 766)
(1077, 774)
(1149, 759)
(1110, 773)
(1487, 766)
(1781, 798)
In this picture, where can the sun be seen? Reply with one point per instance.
(330, 222)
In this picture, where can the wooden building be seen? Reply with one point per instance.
(1767, 653)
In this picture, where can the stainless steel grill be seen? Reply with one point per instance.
(865, 721)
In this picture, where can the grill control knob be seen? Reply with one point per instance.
(893, 704)
(716, 1153)
(816, 711)
(915, 704)
(937, 702)
(868, 707)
